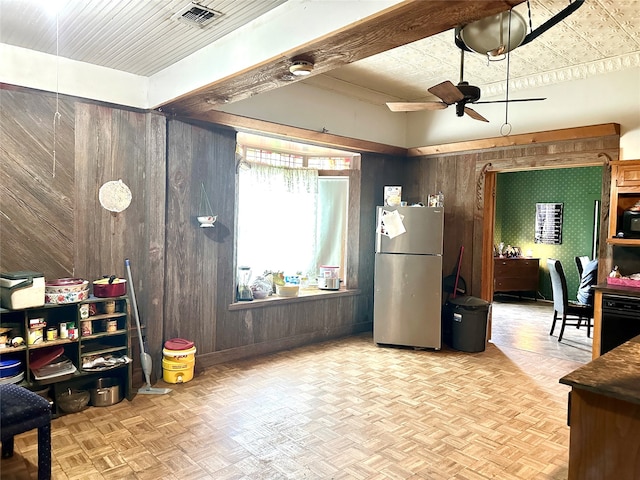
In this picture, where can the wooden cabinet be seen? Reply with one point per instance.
(604, 416)
(628, 173)
(97, 343)
(604, 440)
(625, 193)
(515, 275)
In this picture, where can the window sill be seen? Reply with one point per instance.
(305, 295)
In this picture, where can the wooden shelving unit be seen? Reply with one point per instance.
(101, 341)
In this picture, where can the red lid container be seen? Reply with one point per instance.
(178, 344)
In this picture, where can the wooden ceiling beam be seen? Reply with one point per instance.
(324, 139)
(401, 24)
(558, 135)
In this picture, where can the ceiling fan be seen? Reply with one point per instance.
(459, 95)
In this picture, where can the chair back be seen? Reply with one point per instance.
(589, 278)
(581, 262)
(558, 285)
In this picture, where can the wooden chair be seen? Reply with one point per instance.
(562, 306)
(581, 262)
(22, 410)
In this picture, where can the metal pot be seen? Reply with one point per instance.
(328, 283)
(107, 392)
(110, 287)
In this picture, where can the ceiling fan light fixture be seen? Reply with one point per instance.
(492, 36)
(301, 68)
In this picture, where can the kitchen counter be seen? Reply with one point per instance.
(615, 374)
(604, 416)
(617, 289)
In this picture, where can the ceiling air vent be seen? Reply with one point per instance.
(196, 15)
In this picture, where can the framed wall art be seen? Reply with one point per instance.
(548, 229)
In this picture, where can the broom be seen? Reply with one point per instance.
(145, 358)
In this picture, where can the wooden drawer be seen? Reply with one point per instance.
(515, 267)
(515, 285)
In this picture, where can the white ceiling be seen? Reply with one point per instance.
(601, 36)
(135, 36)
(140, 37)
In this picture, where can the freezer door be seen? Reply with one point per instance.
(407, 300)
(424, 230)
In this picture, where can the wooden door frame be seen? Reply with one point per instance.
(599, 153)
(488, 224)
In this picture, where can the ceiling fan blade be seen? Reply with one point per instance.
(512, 100)
(475, 115)
(447, 91)
(415, 106)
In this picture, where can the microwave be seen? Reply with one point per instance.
(631, 224)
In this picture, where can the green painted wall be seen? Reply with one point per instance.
(516, 196)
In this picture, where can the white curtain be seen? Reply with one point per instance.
(277, 211)
(333, 194)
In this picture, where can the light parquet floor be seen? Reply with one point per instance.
(525, 324)
(344, 409)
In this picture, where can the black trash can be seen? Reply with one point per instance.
(466, 323)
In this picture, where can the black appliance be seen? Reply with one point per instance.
(620, 320)
(631, 224)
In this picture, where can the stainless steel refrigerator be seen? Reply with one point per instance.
(408, 279)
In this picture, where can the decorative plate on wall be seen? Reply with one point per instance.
(115, 196)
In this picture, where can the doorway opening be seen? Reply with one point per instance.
(509, 217)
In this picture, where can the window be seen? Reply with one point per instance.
(331, 239)
(277, 211)
(292, 211)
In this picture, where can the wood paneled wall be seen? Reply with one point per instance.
(200, 268)
(376, 172)
(56, 225)
(455, 178)
(115, 144)
(199, 261)
(36, 207)
(461, 177)
(184, 276)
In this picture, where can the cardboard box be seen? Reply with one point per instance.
(392, 196)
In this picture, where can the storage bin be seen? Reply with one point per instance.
(466, 328)
(20, 290)
(10, 368)
(177, 372)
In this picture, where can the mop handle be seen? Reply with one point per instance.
(135, 304)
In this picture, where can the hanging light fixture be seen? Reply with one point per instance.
(490, 36)
(496, 35)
